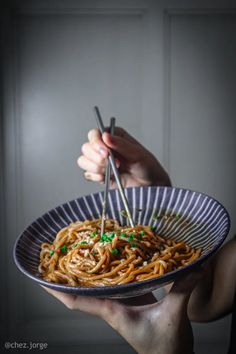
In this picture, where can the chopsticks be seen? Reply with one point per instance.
(107, 182)
(114, 168)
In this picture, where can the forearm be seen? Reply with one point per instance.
(201, 296)
(213, 295)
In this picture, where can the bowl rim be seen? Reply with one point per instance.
(123, 288)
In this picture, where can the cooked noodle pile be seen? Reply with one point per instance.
(80, 256)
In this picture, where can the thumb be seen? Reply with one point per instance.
(128, 150)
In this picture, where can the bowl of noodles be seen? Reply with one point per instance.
(175, 231)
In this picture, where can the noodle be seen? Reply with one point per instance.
(80, 256)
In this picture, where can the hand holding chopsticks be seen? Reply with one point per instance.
(115, 170)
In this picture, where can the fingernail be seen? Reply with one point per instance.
(87, 175)
(102, 151)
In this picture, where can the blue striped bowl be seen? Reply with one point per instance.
(179, 214)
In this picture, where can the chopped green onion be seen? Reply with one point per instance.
(142, 233)
(156, 217)
(123, 234)
(75, 245)
(93, 234)
(112, 234)
(131, 237)
(93, 252)
(114, 251)
(133, 245)
(64, 248)
(105, 238)
(177, 216)
(83, 243)
(51, 252)
(123, 213)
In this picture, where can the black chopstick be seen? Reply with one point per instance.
(107, 182)
(114, 168)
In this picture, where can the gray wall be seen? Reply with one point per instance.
(166, 70)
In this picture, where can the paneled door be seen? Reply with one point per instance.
(165, 70)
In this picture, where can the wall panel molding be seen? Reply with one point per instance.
(19, 325)
(168, 16)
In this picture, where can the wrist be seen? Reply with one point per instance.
(160, 178)
(157, 175)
